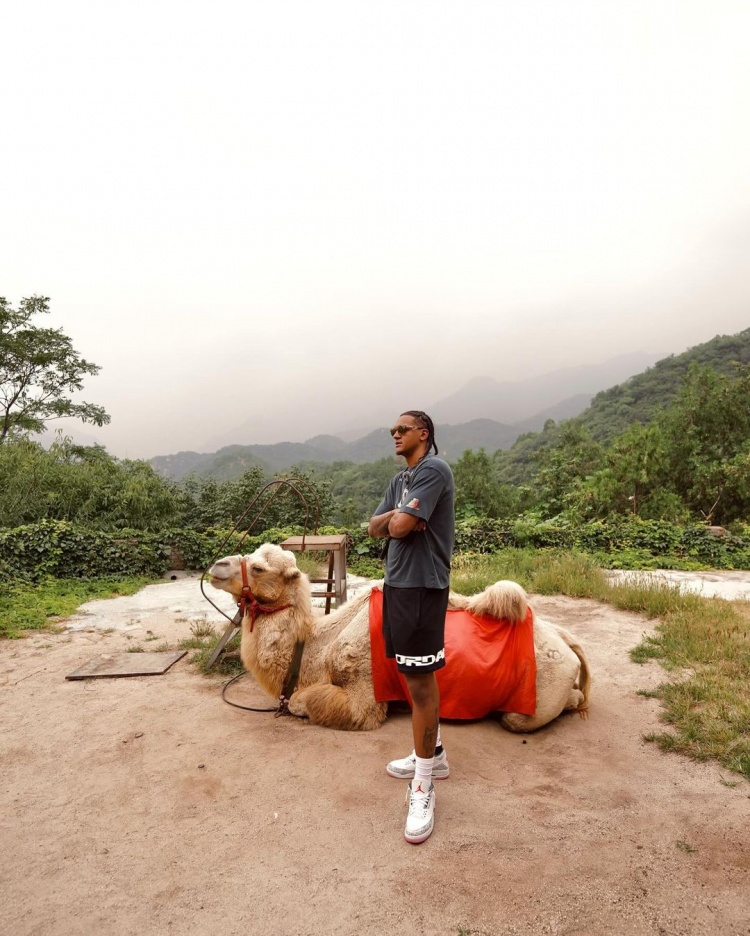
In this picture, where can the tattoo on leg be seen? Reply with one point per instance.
(429, 738)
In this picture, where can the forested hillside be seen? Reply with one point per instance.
(670, 443)
(609, 414)
(636, 400)
(691, 461)
(230, 462)
(681, 454)
(647, 496)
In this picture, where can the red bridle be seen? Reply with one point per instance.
(248, 604)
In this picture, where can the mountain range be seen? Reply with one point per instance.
(568, 391)
(484, 413)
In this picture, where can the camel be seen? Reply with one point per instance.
(335, 684)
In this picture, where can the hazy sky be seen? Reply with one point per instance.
(233, 205)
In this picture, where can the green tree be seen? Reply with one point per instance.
(564, 467)
(39, 369)
(707, 432)
(211, 503)
(478, 492)
(355, 490)
(200, 498)
(82, 484)
(691, 462)
(634, 480)
(316, 492)
(640, 398)
(518, 465)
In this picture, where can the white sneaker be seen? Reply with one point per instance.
(404, 768)
(421, 816)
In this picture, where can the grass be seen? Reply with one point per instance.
(703, 643)
(364, 566)
(545, 573)
(203, 641)
(313, 564)
(201, 628)
(684, 846)
(26, 606)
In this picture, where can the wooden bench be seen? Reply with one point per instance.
(335, 546)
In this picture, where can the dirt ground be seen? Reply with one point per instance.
(148, 805)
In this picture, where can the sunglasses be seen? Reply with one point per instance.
(402, 430)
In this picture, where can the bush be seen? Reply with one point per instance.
(482, 535)
(61, 549)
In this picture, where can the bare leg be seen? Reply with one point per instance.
(425, 700)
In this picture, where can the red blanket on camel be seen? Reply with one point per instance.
(490, 665)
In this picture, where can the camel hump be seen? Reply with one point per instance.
(504, 600)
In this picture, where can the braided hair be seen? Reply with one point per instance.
(427, 424)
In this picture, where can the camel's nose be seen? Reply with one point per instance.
(221, 569)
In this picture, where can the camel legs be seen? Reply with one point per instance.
(521, 723)
(336, 707)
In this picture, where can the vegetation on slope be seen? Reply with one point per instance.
(640, 398)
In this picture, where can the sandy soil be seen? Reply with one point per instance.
(148, 805)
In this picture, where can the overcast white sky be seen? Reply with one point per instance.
(234, 205)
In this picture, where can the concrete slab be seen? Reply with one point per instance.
(734, 586)
(127, 664)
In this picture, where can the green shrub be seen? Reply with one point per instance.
(61, 549)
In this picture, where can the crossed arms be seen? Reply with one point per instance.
(395, 523)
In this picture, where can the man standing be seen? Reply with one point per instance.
(417, 516)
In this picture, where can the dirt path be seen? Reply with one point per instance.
(147, 805)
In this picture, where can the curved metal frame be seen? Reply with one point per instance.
(278, 484)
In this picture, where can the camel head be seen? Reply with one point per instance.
(272, 575)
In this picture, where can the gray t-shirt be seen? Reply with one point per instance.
(422, 559)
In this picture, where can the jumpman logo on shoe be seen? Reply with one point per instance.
(419, 789)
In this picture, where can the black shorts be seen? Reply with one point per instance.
(414, 627)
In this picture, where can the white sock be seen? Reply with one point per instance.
(438, 743)
(422, 773)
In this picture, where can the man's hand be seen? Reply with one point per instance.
(378, 526)
(402, 524)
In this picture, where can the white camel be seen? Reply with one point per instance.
(335, 683)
